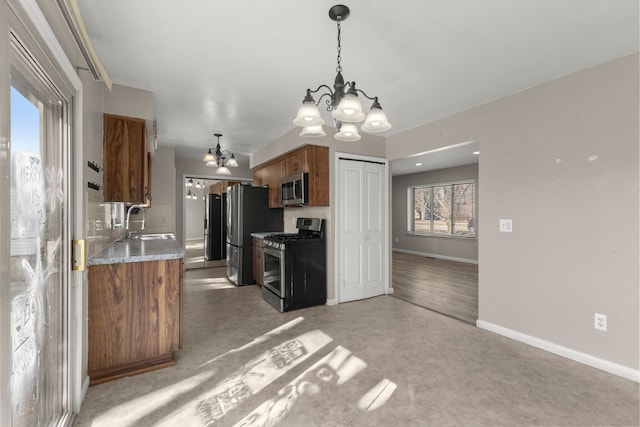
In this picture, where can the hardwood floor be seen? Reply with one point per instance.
(448, 287)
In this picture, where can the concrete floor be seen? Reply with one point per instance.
(377, 362)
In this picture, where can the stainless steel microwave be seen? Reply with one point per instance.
(295, 190)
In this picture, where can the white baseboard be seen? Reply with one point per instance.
(594, 362)
(332, 302)
(85, 388)
(389, 291)
(425, 254)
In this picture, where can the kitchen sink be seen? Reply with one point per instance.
(152, 236)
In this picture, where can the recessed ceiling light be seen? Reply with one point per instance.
(418, 164)
(476, 152)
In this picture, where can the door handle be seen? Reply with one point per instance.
(79, 255)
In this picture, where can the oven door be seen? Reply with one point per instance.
(274, 271)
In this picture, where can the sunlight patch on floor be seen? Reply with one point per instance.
(207, 284)
(377, 396)
(202, 400)
(150, 402)
(255, 375)
(331, 371)
(258, 340)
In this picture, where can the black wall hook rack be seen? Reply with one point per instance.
(94, 166)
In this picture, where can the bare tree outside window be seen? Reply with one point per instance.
(422, 210)
(443, 209)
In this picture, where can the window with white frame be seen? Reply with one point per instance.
(443, 209)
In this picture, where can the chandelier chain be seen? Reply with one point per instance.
(339, 67)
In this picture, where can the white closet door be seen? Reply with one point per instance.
(361, 230)
(373, 230)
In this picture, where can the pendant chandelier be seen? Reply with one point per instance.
(216, 157)
(342, 101)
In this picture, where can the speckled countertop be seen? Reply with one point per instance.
(138, 251)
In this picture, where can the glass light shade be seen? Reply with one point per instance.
(348, 133)
(211, 163)
(312, 131)
(376, 121)
(308, 115)
(189, 183)
(198, 185)
(232, 162)
(188, 196)
(223, 170)
(349, 110)
(209, 157)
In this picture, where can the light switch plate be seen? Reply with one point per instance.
(506, 226)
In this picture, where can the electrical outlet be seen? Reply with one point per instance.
(600, 321)
(506, 226)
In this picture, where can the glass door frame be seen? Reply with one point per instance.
(24, 20)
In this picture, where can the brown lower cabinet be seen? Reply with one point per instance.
(134, 317)
(258, 261)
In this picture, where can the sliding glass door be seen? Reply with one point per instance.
(38, 273)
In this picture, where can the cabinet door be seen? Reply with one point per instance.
(260, 177)
(296, 163)
(134, 315)
(258, 259)
(317, 158)
(276, 173)
(125, 160)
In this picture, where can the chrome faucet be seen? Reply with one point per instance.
(126, 224)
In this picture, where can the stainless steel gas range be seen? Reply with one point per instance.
(295, 267)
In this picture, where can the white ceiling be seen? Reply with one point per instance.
(241, 67)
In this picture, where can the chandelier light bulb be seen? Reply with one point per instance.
(308, 115)
(348, 133)
(376, 120)
(232, 162)
(209, 157)
(312, 131)
(223, 170)
(349, 109)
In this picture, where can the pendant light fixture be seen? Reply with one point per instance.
(344, 105)
(216, 157)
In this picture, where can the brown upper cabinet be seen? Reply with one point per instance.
(127, 166)
(221, 186)
(311, 159)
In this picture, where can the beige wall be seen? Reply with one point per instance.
(129, 101)
(455, 248)
(369, 145)
(161, 215)
(561, 161)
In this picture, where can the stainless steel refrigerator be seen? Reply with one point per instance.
(247, 212)
(215, 227)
